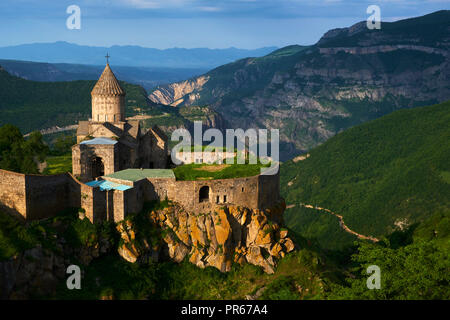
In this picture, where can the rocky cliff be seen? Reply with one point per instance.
(229, 235)
(172, 118)
(175, 93)
(350, 76)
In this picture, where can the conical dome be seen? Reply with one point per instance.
(108, 85)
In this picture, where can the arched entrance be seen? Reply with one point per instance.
(98, 168)
(204, 194)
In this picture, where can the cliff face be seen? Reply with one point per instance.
(232, 234)
(183, 117)
(310, 93)
(175, 93)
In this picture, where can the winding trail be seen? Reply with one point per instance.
(341, 221)
(56, 129)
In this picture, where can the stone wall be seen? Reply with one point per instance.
(46, 195)
(257, 192)
(12, 192)
(153, 151)
(268, 190)
(108, 108)
(37, 196)
(120, 205)
(83, 155)
(157, 188)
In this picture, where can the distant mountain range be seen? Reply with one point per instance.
(148, 77)
(311, 93)
(132, 56)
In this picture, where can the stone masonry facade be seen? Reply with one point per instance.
(36, 197)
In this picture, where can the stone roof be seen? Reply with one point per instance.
(108, 84)
(157, 130)
(134, 128)
(139, 174)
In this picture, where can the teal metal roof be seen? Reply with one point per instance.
(99, 141)
(139, 174)
(108, 185)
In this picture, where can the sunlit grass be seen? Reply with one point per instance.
(209, 171)
(59, 164)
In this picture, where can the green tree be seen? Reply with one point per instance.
(420, 270)
(63, 145)
(19, 154)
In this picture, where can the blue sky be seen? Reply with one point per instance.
(193, 23)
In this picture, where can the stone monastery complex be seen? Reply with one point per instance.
(117, 167)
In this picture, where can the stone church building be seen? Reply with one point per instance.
(117, 167)
(108, 142)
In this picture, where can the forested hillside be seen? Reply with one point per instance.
(32, 105)
(382, 176)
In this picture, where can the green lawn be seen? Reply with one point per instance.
(59, 164)
(214, 171)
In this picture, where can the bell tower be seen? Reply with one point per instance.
(108, 98)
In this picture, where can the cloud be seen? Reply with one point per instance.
(157, 4)
(210, 9)
(143, 4)
(223, 9)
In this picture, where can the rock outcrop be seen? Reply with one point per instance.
(176, 93)
(229, 235)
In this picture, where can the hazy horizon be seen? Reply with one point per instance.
(141, 46)
(218, 24)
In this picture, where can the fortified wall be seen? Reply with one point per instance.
(200, 196)
(113, 197)
(36, 196)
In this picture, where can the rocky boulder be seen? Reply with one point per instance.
(229, 235)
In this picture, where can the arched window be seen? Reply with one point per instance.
(98, 169)
(204, 194)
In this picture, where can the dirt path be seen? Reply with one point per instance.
(341, 221)
(55, 129)
(146, 116)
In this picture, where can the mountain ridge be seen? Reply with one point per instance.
(148, 77)
(311, 93)
(133, 56)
